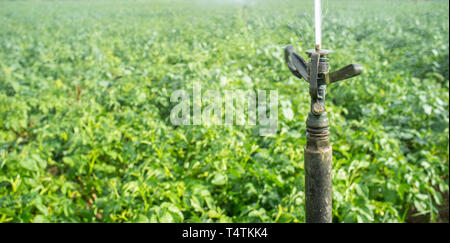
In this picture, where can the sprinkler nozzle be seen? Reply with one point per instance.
(318, 48)
(346, 72)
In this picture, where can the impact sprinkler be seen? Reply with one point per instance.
(318, 151)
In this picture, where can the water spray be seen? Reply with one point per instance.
(318, 151)
(318, 23)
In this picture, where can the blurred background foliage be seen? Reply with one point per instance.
(85, 134)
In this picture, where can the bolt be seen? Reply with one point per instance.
(317, 108)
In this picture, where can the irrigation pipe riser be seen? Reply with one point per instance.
(318, 151)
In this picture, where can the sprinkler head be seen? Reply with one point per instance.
(317, 68)
(298, 66)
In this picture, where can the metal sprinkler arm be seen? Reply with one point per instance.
(314, 72)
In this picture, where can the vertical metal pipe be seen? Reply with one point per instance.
(318, 161)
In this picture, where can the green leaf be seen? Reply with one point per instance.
(219, 179)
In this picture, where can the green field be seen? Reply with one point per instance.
(85, 132)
